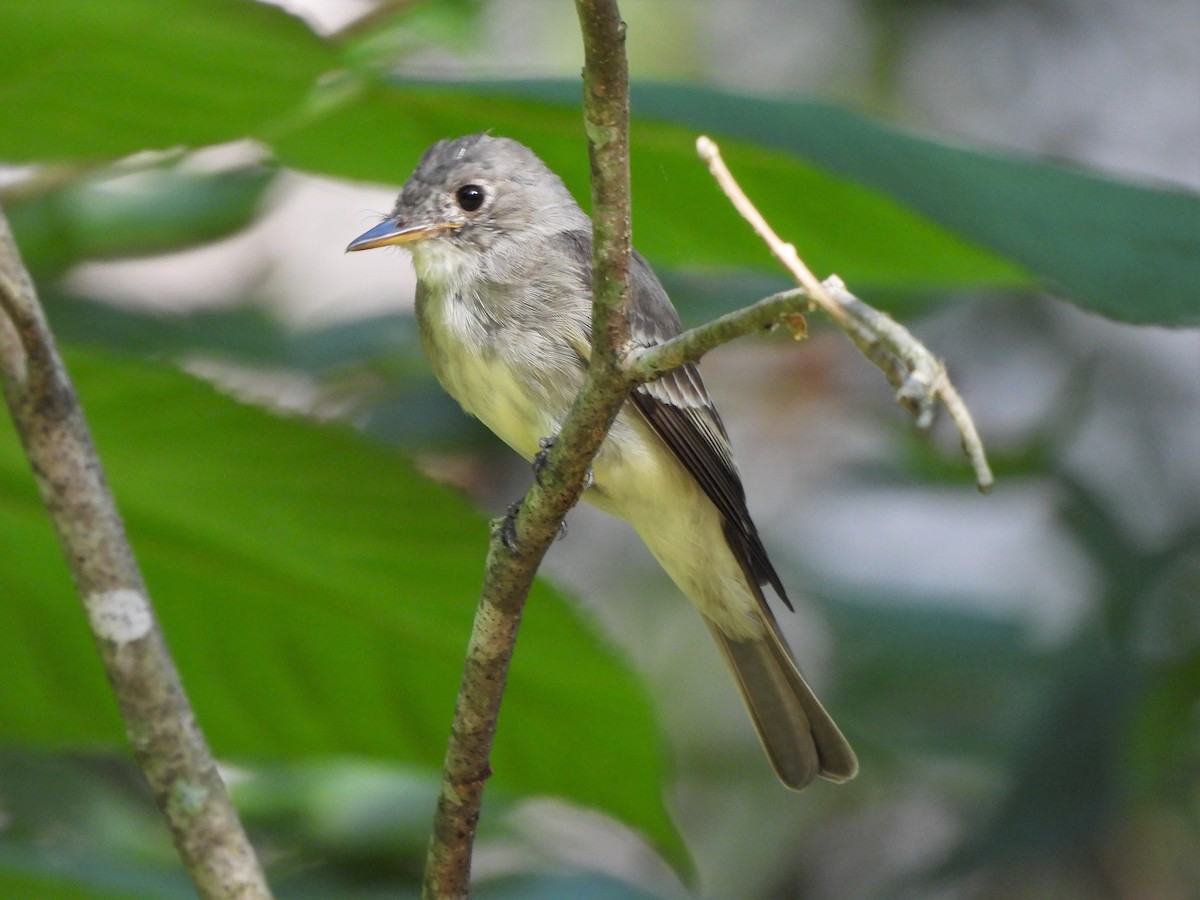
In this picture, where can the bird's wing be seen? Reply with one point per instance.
(679, 408)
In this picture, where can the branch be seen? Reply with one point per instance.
(161, 726)
(532, 527)
(919, 377)
(606, 118)
(784, 308)
(520, 542)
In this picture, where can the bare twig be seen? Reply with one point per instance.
(919, 377)
(159, 721)
(510, 569)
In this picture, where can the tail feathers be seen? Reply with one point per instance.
(800, 738)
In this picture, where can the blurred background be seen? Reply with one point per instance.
(1019, 673)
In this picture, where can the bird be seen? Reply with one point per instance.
(503, 255)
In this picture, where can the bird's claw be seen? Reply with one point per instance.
(507, 527)
(539, 462)
(539, 458)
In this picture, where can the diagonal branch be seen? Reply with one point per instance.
(513, 562)
(167, 742)
(520, 542)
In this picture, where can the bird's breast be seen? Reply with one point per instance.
(502, 375)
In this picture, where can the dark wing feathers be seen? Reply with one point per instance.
(679, 408)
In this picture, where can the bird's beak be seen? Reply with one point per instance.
(396, 231)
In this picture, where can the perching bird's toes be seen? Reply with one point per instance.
(539, 463)
(539, 458)
(508, 527)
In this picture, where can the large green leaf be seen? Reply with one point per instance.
(86, 84)
(680, 217)
(887, 210)
(87, 79)
(1128, 251)
(317, 594)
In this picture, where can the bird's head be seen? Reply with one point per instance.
(472, 196)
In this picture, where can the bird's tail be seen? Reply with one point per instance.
(800, 738)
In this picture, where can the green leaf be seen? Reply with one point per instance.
(91, 79)
(887, 210)
(1127, 251)
(317, 594)
(454, 25)
(244, 333)
(681, 219)
(123, 212)
(45, 880)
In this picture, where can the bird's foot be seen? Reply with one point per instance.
(507, 527)
(539, 462)
(540, 458)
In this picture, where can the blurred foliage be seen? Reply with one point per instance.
(89, 80)
(85, 828)
(317, 591)
(1127, 251)
(871, 194)
(681, 218)
(134, 210)
(1115, 733)
(316, 613)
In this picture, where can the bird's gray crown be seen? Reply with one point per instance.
(522, 197)
(481, 154)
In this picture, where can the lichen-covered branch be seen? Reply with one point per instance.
(606, 118)
(513, 562)
(167, 742)
(918, 376)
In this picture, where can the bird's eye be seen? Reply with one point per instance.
(470, 197)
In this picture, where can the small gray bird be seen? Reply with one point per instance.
(503, 258)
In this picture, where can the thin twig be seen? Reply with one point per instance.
(784, 252)
(511, 565)
(786, 307)
(159, 721)
(919, 377)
